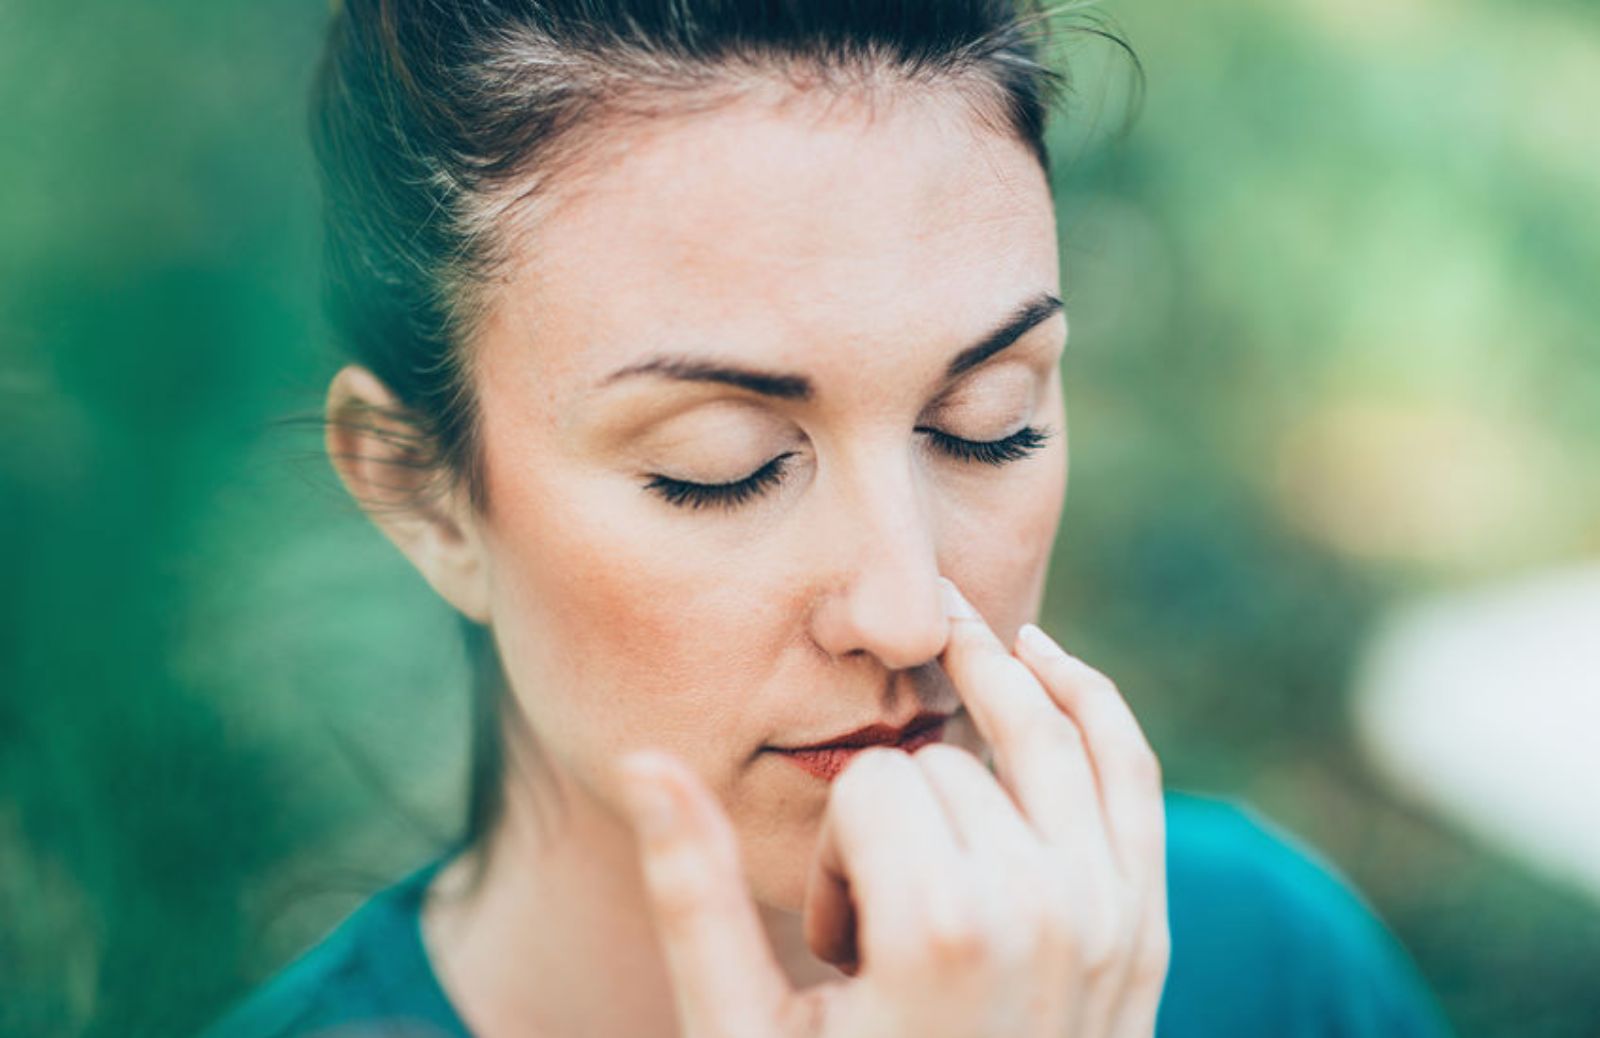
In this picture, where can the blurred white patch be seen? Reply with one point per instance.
(1487, 707)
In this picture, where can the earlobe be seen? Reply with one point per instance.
(386, 462)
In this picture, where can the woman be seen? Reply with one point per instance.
(706, 363)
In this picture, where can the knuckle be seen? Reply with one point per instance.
(682, 887)
(1091, 678)
(945, 758)
(1053, 733)
(1053, 936)
(1101, 949)
(1097, 957)
(955, 939)
(935, 754)
(1100, 683)
(879, 759)
(1012, 671)
(864, 771)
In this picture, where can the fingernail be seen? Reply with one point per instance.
(955, 606)
(1035, 639)
(650, 802)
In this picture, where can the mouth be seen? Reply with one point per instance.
(826, 760)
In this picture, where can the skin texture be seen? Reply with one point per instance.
(862, 245)
(1025, 903)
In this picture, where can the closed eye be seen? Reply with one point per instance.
(730, 495)
(1018, 445)
(685, 494)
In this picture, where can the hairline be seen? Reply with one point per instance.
(514, 209)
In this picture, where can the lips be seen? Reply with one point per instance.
(826, 760)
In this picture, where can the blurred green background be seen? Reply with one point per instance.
(1347, 244)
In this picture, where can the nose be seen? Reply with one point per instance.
(884, 600)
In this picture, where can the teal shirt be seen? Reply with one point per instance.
(1268, 940)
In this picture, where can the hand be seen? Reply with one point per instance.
(1027, 903)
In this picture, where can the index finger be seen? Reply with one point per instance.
(1040, 754)
(726, 980)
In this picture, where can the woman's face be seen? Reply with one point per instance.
(734, 287)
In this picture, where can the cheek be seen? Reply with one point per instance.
(1002, 536)
(1040, 519)
(615, 636)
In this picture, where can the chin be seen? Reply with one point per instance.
(777, 869)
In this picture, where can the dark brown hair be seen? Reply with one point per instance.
(436, 122)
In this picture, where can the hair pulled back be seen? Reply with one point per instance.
(434, 122)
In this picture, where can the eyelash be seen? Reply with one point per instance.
(684, 494)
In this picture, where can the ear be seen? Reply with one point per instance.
(388, 466)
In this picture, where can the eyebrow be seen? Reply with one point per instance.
(790, 386)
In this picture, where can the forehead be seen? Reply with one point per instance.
(810, 234)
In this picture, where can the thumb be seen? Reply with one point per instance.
(829, 913)
(725, 977)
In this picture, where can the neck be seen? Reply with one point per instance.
(556, 937)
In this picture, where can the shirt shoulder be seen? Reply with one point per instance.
(367, 978)
(1270, 938)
